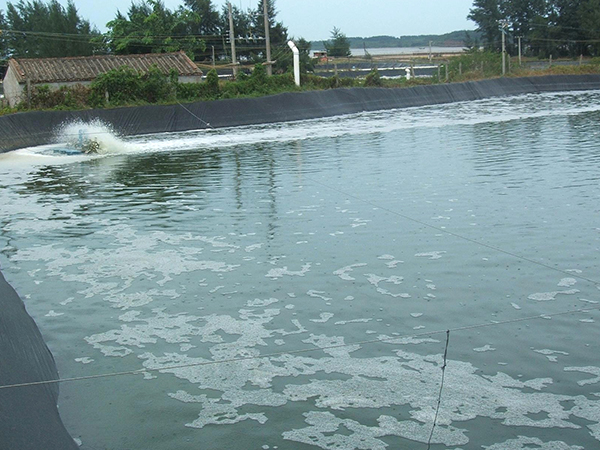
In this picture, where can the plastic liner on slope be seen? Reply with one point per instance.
(39, 128)
(29, 418)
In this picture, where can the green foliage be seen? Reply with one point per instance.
(207, 24)
(471, 43)
(43, 97)
(150, 27)
(312, 82)
(277, 31)
(27, 26)
(121, 86)
(474, 65)
(212, 84)
(258, 84)
(487, 15)
(259, 75)
(547, 27)
(3, 41)
(155, 87)
(339, 45)
(373, 79)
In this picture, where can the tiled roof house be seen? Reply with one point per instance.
(57, 72)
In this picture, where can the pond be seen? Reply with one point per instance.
(297, 285)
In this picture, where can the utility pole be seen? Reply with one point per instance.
(267, 38)
(430, 55)
(503, 26)
(519, 38)
(232, 39)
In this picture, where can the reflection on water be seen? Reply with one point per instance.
(194, 248)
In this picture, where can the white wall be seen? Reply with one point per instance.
(12, 89)
(194, 79)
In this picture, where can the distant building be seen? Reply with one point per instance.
(58, 72)
(321, 55)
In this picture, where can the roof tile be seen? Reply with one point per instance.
(86, 68)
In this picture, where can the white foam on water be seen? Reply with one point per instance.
(551, 354)
(567, 282)
(592, 370)
(525, 442)
(262, 302)
(324, 317)
(548, 296)
(346, 322)
(485, 348)
(376, 280)
(431, 255)
(284, 271)
(344, 272)
(84, 360)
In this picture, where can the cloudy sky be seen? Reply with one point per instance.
(314, 19)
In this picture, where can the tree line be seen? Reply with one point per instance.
(39, 29)
(546, 27)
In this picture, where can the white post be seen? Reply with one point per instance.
(296, 53)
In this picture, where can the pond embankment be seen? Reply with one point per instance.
(40, 127)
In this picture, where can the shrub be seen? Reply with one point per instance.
(188, 91)
(155, 86)
(373, 79)
(474, 65)
(66, 97)
(212, 88)
(121, 86)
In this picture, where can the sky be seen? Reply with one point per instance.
(314, 19)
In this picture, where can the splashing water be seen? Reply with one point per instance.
(97, 134)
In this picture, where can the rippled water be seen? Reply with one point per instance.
(199, 247)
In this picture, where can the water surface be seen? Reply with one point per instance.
(194, 248)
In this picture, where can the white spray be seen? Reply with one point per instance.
(97, 134)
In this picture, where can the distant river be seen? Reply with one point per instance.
(344, 248)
